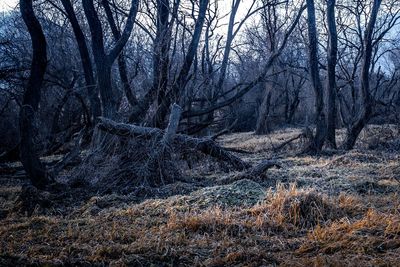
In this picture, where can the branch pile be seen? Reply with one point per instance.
(144, 156)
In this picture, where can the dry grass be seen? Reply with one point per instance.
(340, 210)
(302, 208)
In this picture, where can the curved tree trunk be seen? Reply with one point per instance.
(30, 103)
(227, 48)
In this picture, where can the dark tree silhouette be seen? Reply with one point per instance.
(30, 103)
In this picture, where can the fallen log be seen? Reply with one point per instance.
(204, 145)
(262, 167)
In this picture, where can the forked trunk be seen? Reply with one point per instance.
(365, 111)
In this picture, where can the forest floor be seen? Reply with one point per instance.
(336, 209)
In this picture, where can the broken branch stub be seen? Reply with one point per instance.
(173, 124)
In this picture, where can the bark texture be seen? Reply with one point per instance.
(319, 138)
(331, 86)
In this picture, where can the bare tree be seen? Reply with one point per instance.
(365, 111)
(245, 87)
(161, 58)
(122, 67)
(177, 88)
(272, 24)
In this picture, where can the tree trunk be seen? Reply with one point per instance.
(30, 104)
(161, 59)
(108, 97)
(319, 138)
(331, 86)
(294, 103)
(161, 49)
(263, 124)
(227, 48)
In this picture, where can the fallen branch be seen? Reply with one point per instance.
(237, 150)
(224, 131)
(289, 141)
(262, 167)
(253, 173)
(68, 158)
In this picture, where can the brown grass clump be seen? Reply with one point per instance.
(299, 207)
(308, 210)
(375, 232)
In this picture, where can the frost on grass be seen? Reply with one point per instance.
(340, 209)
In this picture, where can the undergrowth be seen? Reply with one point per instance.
(332, 210)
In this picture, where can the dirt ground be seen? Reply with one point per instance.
(335, 209)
